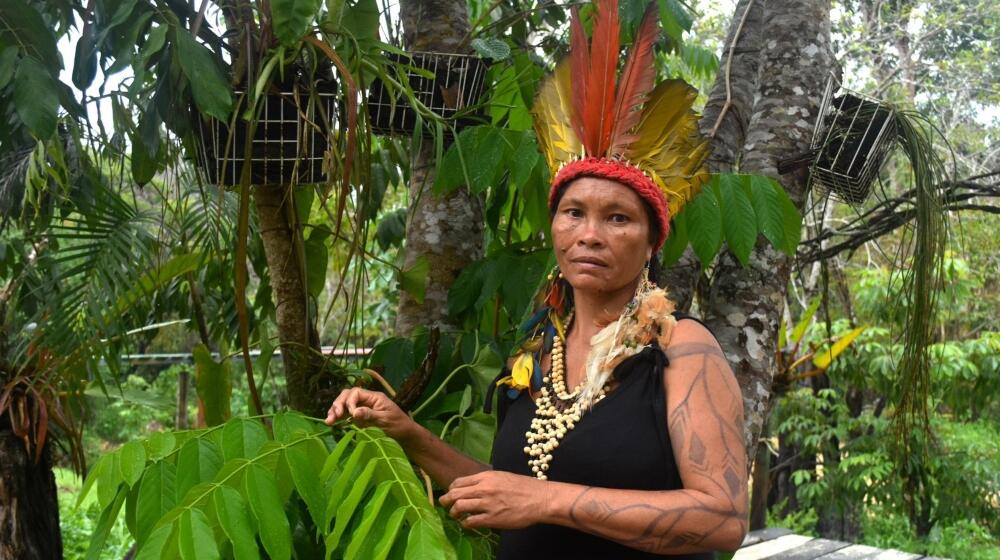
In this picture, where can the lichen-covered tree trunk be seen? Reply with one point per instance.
(445, 231)
(731, 99)
(29, 507)
(745, 304)
(296, 326)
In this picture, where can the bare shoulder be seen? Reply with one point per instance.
(691, 338)
(697, 361)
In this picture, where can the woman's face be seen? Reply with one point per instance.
(600, 232)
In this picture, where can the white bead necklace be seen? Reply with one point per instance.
(553, 417)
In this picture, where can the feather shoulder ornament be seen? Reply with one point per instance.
(650, 320)
(589, 123)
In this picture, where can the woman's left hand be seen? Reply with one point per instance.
(497, 500)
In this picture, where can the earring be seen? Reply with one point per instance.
(644, 283)
(555, 298)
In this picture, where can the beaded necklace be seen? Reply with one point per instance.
(556, 411)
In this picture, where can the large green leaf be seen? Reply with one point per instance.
(85, 61)
(345, 509)
(289, 427)
(109, 479)
(344, 476)
(361, 19)
(677, 239)
(209, 86)
(133, 459)
(159, 445)
(525, 156)
(389, 532)
(104, 524)
(777, 217)
(242, 438)
(738, 217)
(23, 26)
(36, 98)
(214, 385)
(290, 19)
(425, 541)
(372, 508)
(465, 290)
(704, 225)
(413, 279)
(474, 436)
(317, 258)
(234, 518)
(305, 459)
(141, 163)
(156, 497)
(332, 463)
(476, 155)
(262, 492)
(198, 461)
(391, 229)
(8, 58)
(194, 536)
(153, 548)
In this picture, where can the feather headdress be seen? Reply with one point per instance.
(591, 125)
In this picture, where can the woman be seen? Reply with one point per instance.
(659, 466)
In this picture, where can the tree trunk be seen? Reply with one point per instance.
(445, 231)
(29, 505)
(731, 99)
(745, 304)
(761, 488)
(307, 390)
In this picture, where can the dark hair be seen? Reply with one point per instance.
(655, 270)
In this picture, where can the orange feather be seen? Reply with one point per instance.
(579, 69)
(598, 113)
(635, 83)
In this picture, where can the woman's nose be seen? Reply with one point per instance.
(591, 234)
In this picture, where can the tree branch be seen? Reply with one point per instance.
(892, 213)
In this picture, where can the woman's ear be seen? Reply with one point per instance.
(649, 254)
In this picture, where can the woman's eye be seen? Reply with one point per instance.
(574, 212)
(619, 218)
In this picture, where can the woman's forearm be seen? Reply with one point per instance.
(661, 522)
(440, 461)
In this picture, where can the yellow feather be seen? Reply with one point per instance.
(553, 115)
(668, 146)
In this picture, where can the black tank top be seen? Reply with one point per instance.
(622, 442)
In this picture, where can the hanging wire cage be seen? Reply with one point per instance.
(449, 85)
(289, 144)
(851, 139)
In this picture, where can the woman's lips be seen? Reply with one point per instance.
(589, 263)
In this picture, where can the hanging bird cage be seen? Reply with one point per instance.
(448, 85)
(289, 143)
(853, 135)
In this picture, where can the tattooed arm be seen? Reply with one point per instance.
(705, 422)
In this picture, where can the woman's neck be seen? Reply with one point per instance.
(595, 310)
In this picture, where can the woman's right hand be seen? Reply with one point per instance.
(370, 408)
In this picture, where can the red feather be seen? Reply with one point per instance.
(635, 84)
(579, 69)
(598, 113)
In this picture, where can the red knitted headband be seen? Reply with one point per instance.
(621, 172)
